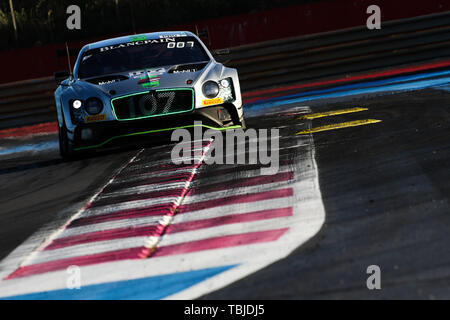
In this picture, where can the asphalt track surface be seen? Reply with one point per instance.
(384, 188)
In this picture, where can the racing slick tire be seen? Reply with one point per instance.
(65, 146)
(243, 124)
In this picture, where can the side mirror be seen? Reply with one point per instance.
(221, 52)
(61, 75)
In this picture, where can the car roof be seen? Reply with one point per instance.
(136, 37)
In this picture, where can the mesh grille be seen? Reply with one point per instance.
(153, 103)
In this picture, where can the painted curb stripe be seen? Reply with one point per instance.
(146, 179)
(229, 219)
(241, 198)
(174, 228)
(156, 210)
(33, 269)
(221, 186)
(177, 192)
(163, 209)
(179, 177)
(118, 233)
(132, 253)
(196, 215)
(220, 242)
(230, 168)
(176, 178)
(243, 182)
(149, 171)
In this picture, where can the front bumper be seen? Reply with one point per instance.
(152, 130)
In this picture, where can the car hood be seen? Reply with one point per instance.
(147, 79)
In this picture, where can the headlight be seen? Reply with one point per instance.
(93, 105)
(76, 104)
(225, 83)
(210, 89)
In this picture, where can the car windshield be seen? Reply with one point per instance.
(140, 54)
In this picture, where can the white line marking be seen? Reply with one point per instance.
(75, 216)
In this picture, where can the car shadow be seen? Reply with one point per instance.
(30, 166)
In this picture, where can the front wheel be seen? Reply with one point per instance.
(243, 124)
(65, 146)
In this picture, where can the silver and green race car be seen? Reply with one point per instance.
(141, 86)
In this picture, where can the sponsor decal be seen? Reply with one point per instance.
(149, 81)
(137, 38)
(186, 70)
(137, 74)
(210, 102)
(97, 117)
(142, 73)
(107, 82)
(136, 43)
(172, 35)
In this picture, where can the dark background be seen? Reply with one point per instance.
(39, 21)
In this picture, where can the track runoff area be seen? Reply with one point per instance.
(159, 230)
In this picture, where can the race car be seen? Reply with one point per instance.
(139, 85)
